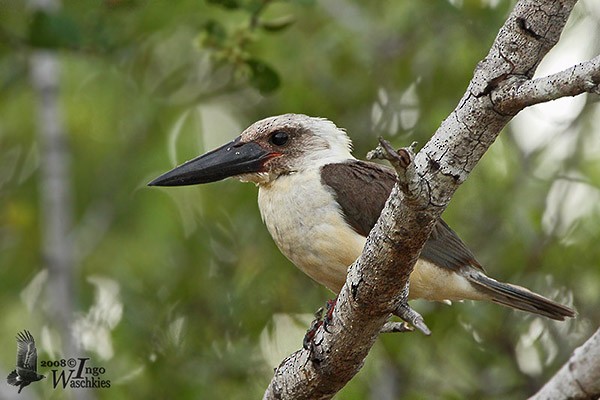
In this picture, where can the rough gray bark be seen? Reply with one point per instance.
(502, 85)
(579, 378)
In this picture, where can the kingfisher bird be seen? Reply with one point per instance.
(319, 203)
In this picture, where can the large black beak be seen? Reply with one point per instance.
(233, 158)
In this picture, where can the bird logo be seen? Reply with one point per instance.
(26, 371)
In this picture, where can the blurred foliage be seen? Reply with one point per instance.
(197, 300)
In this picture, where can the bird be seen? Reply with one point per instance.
(319, 204)
(26, 371)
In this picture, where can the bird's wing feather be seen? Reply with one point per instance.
(446, 249)
(26, 351)
(352, 180)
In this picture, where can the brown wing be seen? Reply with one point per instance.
(26, 351)
(362, 188)
(445, 249)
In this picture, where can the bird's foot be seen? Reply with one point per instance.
(395, 327)
(323, 317)
(328, 319)
(409, 315)
(312, 331)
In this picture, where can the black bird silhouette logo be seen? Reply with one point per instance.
(26, 371)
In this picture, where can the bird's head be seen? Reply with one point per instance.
(267, 149)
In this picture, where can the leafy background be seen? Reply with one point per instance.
(181, 293)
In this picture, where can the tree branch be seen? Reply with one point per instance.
(376, 285)
(579, 378)
(520, 93)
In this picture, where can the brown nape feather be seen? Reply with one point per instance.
(520, 298)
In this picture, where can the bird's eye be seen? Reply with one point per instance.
(279, 138)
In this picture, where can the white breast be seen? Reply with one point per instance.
(308, 227)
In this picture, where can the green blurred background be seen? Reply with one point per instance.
(181, 293)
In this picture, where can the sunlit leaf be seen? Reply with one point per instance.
(278, 24)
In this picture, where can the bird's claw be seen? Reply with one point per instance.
(409, 315)
(328, 319)
(314, 327)
(395, 327)
(323, 317)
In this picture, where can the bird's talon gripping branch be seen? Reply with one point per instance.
(409, 315)
(314, 327)
(328, 319)
(307, 342)
(323, 317)
(394, 327)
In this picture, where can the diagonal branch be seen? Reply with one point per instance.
(520, 93)
(376, 285)
(579, 378)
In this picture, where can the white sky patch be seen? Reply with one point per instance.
(592, 6)
(186, 132)
(391, 111)
(175, 331)
(218, 125)
(31, 293)
(173, 138)
(347, 14)
(491, 3)
(568, 201)
(535, 349)
(47, 343)
(456, 3)
(548, 126)
(591, 148)
(409, 106)
(377, 107)
(528, 358)
(282, 336)
(577, 43)
(203, 128)
(93, 330)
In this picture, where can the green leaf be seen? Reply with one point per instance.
(214, 34)
(53, 30)
(264, 78)
(229, 4)
(278, 24)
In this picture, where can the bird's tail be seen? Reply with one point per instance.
(520, 298)
(12, 378)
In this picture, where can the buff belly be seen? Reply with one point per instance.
(307, 225)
